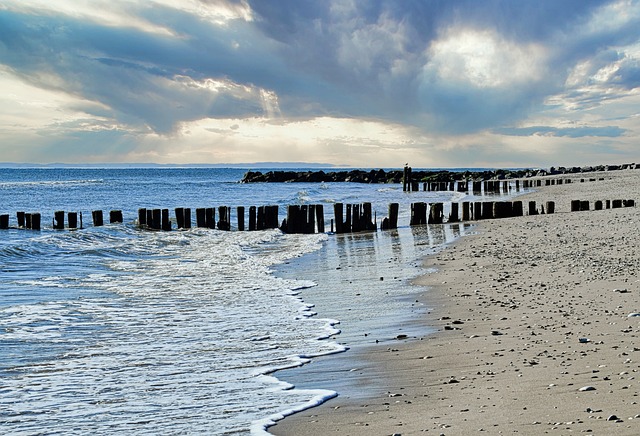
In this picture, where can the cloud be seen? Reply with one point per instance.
(135, 72)
(572, 132)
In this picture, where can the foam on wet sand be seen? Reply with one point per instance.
(534, 333)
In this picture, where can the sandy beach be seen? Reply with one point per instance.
(534, 331)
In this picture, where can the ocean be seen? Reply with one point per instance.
(116, 330)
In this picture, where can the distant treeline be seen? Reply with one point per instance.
(395, 176)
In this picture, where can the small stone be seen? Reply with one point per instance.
(634, 314)
(586, 388)
(496, 333)
(583, 340)
(612, 418)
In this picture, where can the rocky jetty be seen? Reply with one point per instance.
(395, 176)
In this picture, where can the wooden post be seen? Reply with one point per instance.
(608, 204)
(311, 219)
(98, 219)
(551, 207)
(149, 218)
(584, 205)
(252, 218)
(58, 220)
(157, 219)
(453, 216)
(597, 205)
(575, 205)
(532, 208)
(179, 211)
(465, 211)
(338, 209)
(36, 220)
(393, 215)
(436, 214)
(115, 216)
(348, 226)
(477, 210)
(629, 203)
(200, 217)
(487, 210)
(166, 222)
(223, 218)
(366, 220)
(293, 212)
(142, 216)
(210, 217)
(27, 221)
(615, 204)
(355, 218)
(72, 218)
(517, 209)
(261, 221)
(21, 219)
(240, 213)
(4, 222)
(187, 218)
(320, 217)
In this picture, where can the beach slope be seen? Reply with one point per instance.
(536, 331)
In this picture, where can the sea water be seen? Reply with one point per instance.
(116, 330)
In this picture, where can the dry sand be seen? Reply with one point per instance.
(533, 334)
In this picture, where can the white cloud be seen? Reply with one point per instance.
(483, 59)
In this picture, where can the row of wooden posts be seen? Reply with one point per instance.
(482, 186)
(309, 218)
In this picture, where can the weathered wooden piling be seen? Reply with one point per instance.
(27, 221)
(72, 220)
(166, 221)
(142, 216)
(149, 220)
(477, 210)
(200, 217)
(210, 217)
(393, 215)
(615, 204)
(4, 221)
(252, 218)
(21, 220)
(261, 223)
(466, 211)
(597, 205)
(453, 215)
(157, 219)
(487, 210)
(58, 220)
(584, 205)
(517, 208)
(240, 215)
(575, 205)
(338, 209)
(187, 218)
(533, 210)
(115, 216)
(179, 212)
(320, 217)
(224, 218)
(36, 220)
(418, 214)
(629, 203)
(551, 207)
(98, 218)
(436, 213)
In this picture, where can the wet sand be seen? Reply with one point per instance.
(534, 333)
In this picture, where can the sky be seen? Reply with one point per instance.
(361, 83)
